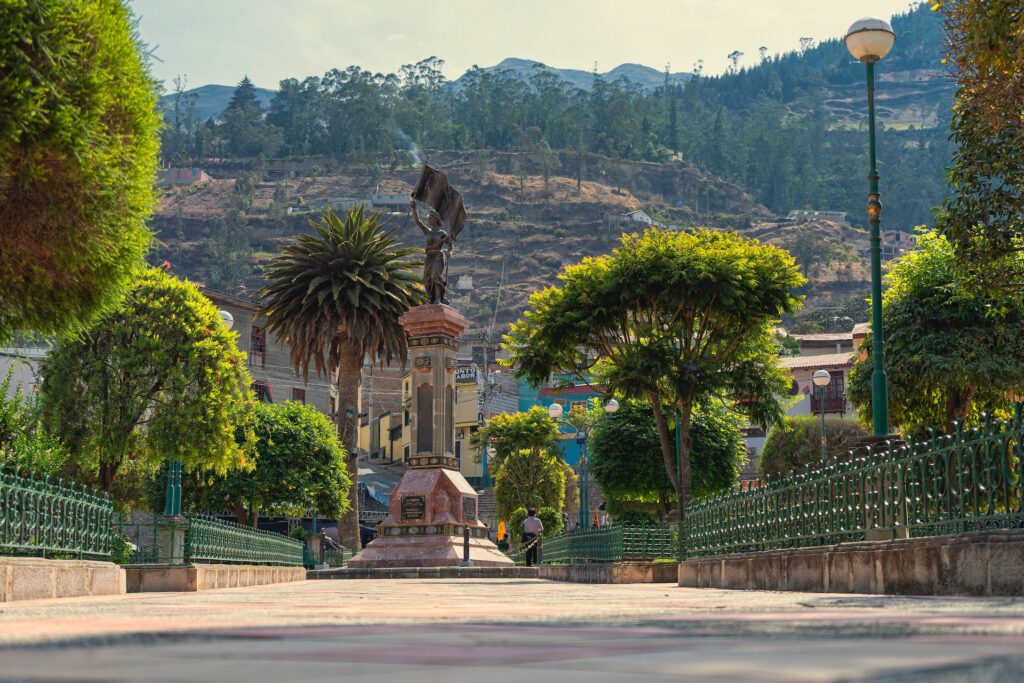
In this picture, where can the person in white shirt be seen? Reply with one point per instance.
(532, 528)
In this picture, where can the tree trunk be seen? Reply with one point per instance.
(958, 405)
(667, 451)
(241, 516)
(348, 433)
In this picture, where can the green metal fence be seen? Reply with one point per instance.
(210, 540)
(48, 517)
(141, 535)
(610, 544)
(966, 481)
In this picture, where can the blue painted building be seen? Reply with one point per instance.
(569, 398)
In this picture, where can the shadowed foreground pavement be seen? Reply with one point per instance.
(509, 630)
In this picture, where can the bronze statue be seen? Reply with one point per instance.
(444, 222)
(438, 249)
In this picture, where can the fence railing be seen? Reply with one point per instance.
(141, 535)
(209, 540)
(610, 544)
(966, 481)
(46, 516)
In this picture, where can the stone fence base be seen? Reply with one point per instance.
(33, 578)
(155, 578)
(980, 563)
(619, 572)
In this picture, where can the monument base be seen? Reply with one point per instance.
(428, 515)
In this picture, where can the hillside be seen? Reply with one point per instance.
(520, 233)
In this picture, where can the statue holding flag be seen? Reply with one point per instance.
(445, 220)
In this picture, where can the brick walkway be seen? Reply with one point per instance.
(509, 630)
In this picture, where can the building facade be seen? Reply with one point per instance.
(269, 362)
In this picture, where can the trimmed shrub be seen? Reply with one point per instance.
(796, 443)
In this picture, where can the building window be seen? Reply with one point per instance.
(334, 411)
(577, 405)
(405, 419)
(258, 347)
(835, 396)
(299, 395)
(262, 390)
(405, 454)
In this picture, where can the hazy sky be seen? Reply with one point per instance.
(219, 41)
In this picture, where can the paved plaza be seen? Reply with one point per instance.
(509, 630)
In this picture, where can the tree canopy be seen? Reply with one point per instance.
(951, 349)
(529, 481)
(159, 377)
(298, 466)
(984, 214)
(625, 456)
(78, 146)
(673, 318)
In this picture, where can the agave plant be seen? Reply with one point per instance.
(335, 298)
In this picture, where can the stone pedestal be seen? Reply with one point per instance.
(433, 504)
(170, 539)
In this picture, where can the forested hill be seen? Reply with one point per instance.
(788, 130)
(551, 170)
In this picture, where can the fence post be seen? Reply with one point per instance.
(466, 562)
(172, 526)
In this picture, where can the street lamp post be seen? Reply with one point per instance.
(869, 40)
(489, 452)
(555, 411)
(821, 378)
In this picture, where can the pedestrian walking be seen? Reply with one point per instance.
(532, 528)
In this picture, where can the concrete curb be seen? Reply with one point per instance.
(618, 572)
(979, 563)
(36, 578)
(156, 578)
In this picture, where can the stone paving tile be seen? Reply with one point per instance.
(504, 630)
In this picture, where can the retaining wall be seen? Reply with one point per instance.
(33, 578)
(424, 573)
(980, 563)
(199, 577)
(619, 572)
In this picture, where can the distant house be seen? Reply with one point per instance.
(269, 362)
(167, 177)
(833, 352)
(638, 218)
(896, 242)
(802, 216)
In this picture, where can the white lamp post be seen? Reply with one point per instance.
(229, 320)
(821, 378)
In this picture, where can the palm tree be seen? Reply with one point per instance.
(335, 297)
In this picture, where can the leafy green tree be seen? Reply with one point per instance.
(526, 480)
(24, 444)
(625, 456)
(298, 466)
(78, 145)
(532, 431)
(795, 443)
(534, 434)
(335, 297)
(951, 349)
(158, 378)
(984, 215)
(674, 318)
(247, 133)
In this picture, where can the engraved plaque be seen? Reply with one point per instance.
(468, 508)
(414, 507)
